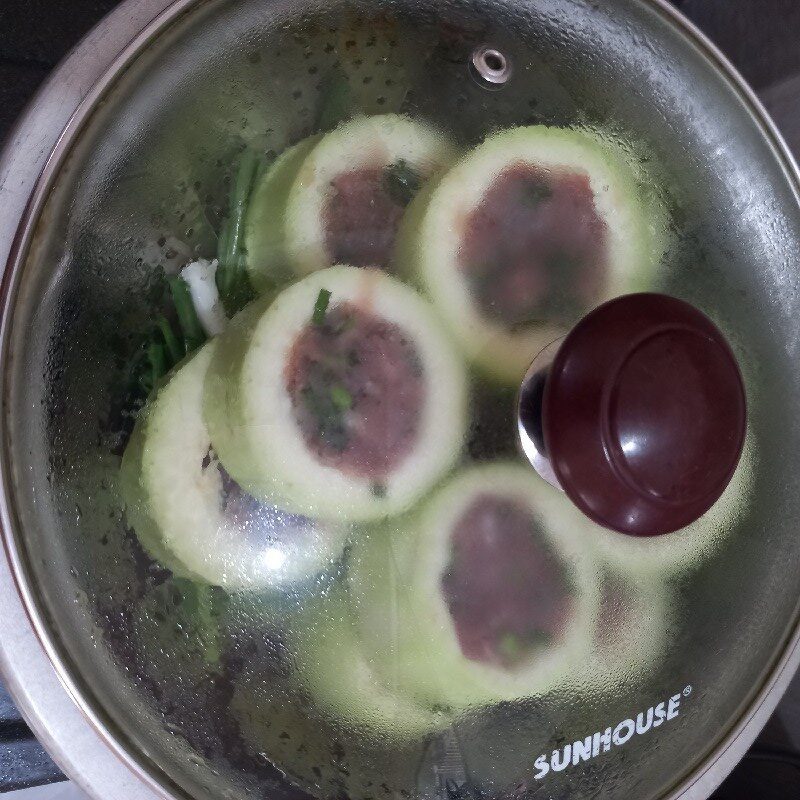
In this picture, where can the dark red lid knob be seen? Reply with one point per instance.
(644, 414)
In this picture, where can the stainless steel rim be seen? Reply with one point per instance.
(33, 666)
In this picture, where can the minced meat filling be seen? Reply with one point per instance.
(504, 587)
(535, 248)
(357, 390)
(362, 213)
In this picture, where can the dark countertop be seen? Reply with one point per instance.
(760, 36)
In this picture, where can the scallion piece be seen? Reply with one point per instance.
(248, 165)
(341, 398)
(193, 334)
(158, 361)
(402, 182)
(321, 306)
(175, 350)
(234, 286)
(223, 241)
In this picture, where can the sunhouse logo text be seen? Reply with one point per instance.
(602, 741)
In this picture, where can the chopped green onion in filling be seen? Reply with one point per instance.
(321, 306)
(401, 182)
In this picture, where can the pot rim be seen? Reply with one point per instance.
(63, 716)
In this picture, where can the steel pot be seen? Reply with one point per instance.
(93, 173)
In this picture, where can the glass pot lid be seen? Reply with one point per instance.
(263, 378)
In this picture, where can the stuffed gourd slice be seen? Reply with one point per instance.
(322, 714)
(265, 223)
(337, 674)
(524, 235)
(191, 517)
(342, 399)
(488, 594)
(350, 192)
